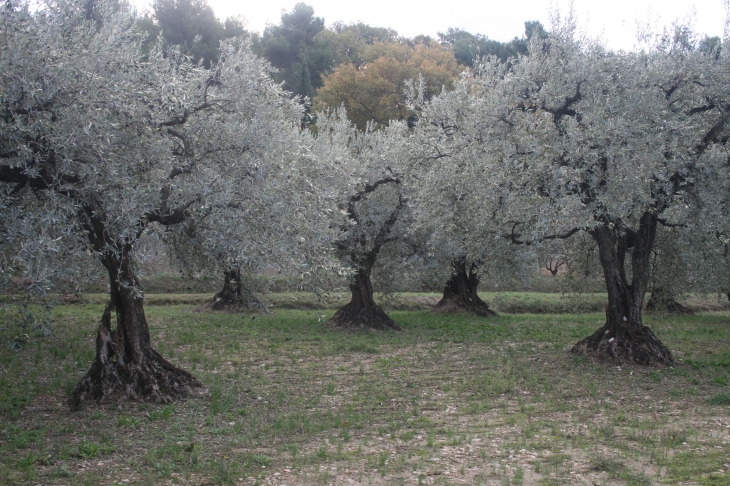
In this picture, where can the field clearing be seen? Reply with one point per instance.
(448, 400)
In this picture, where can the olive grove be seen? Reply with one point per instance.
(574, 138)
(101, 141)
(104, 138)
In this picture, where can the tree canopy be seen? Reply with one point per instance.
(289, 46)
(469, 47)
(193, 27)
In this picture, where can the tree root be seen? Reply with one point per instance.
(455, 305)
(371, 318)
(639, 345)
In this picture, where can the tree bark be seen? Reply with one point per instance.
(623, 336)
(234, 296)
(662, 300)
(230, 294)
(362, 311)
(126, 367)
(460, 292)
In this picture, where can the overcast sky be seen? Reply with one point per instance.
(613, 20)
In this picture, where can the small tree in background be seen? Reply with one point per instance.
(289, 44)
(192, 26)
(279, 227)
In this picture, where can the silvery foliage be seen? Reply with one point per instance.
(278, 223)
(353, 161)
(673, 271)
(140, 138)
(692, 259)
(572, 135)
(458, 189)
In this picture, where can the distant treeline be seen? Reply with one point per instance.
(327, 65)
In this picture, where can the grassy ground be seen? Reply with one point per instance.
(166, 282)
(448, 400)
(504, 302)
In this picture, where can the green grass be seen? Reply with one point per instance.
(503, 302)
(487, 401)
(509, 302)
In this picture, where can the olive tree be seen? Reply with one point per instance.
(245, 247)
(574, 138)
(447, 171)
(365, 178)
(276, 226)
(100, 142)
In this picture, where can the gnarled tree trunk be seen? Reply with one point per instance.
(234, 295)
(230, 294)
(126, 366)
(362, 311)
(623, 336)
(662, 300)
(460, 292)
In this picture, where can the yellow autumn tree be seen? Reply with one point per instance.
(375, 90)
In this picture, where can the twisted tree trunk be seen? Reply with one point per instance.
(362, 312)
(662, 300)
(234, 295)
(460, 292)
(623, 336)
(230, 294)
(126, 367)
